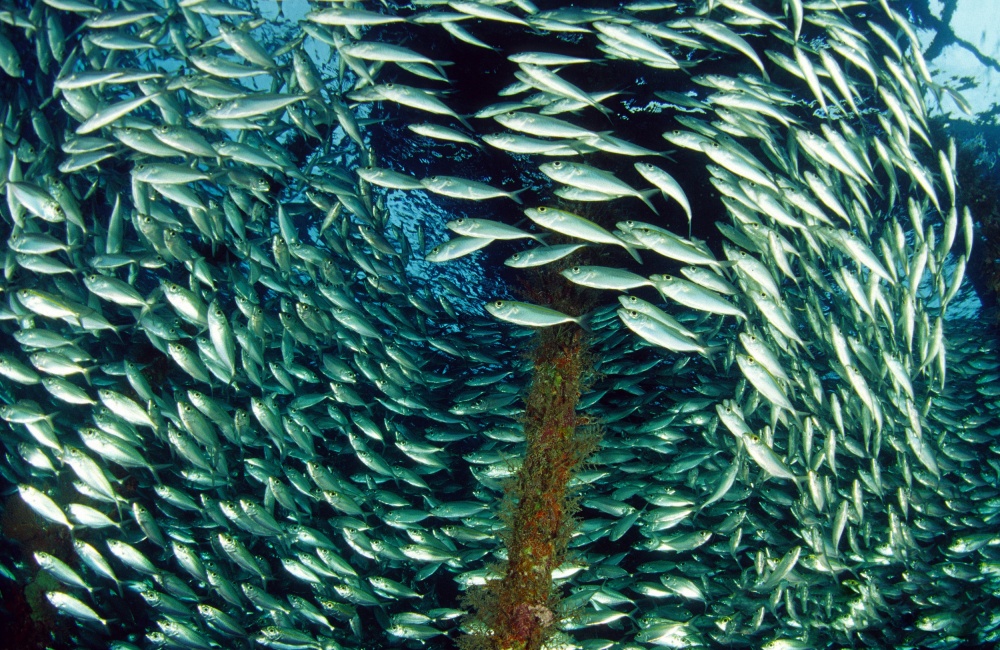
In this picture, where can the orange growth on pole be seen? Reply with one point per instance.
(521, 609)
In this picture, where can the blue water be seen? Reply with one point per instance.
(886, 537)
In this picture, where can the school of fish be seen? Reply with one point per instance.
(266, 416)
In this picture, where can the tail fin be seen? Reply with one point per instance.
(633, 252)
(515, 196)
(644, 197)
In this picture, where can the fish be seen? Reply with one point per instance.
(373, 51)
(71, 606)
(658, 333)
(549, 81)
(542, 126)
(389, 178)
(603, 277)
(667, 244)
(522, 313)
(572, 225)
(439, 132)
(668, 185)
(419, 99)
(592, 179)
(461, 188)
(487, 229)
(43, 505)
(542, 255)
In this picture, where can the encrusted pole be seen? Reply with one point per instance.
(521, 609)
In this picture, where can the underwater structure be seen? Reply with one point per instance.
(279, 367)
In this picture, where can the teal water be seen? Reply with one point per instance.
(250, 400)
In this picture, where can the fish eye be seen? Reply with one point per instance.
(633, 299)
(543, 209)
(498, 303)
(557, 164)
(575, 270)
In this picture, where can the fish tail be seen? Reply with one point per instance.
(645, 195)
(633, 252)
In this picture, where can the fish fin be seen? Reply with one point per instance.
(645, 195)
(634, 252)
(712, 352)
